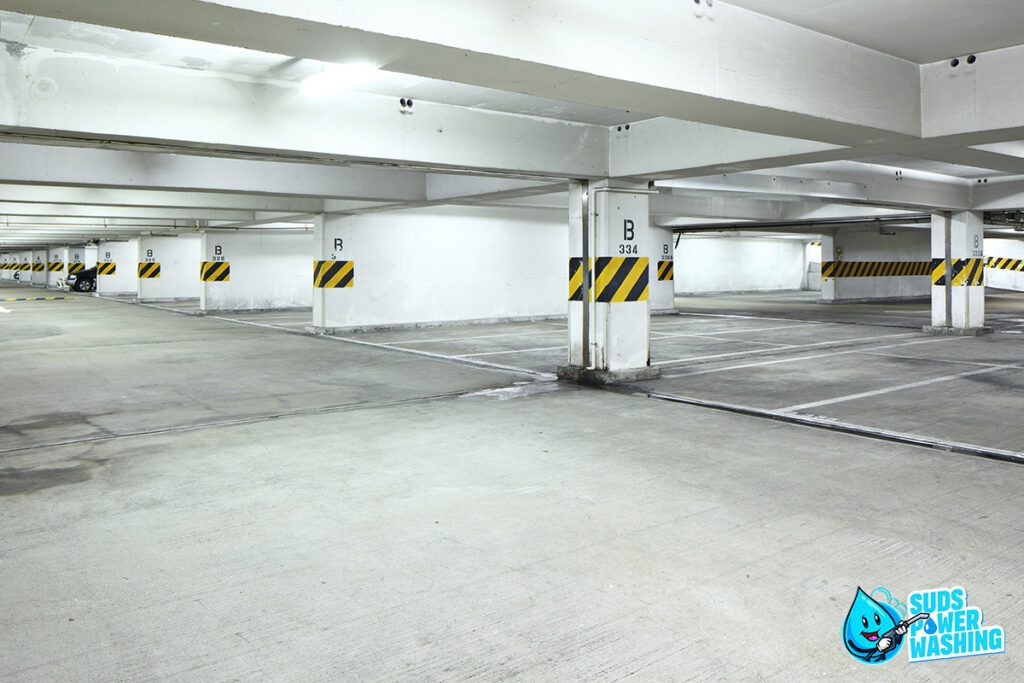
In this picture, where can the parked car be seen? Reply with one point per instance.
(84, 281)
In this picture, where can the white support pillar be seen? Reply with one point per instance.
(609, 322)
(662, 254)
(117, 268)
(38, 275)
(958, 274)
(56, 267)
(169, 268)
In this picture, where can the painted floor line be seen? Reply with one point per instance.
(926, 359)
(790, 347)
(751, 330)
(494, 367)
(900, 387)
(510, 351)
(837, 426)
(458, 339)
(450, 359)
(798, 359)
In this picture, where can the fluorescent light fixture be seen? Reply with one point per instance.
(335, 78)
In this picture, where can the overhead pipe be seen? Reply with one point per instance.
(780, 226)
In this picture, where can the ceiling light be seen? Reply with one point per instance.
(335, 78)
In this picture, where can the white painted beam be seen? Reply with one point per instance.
(20, 209)
(883, 185)
(670, 148)
(998, 194)
(125, 197)
(67, 96)
(81, 166)
(729, 67)
(973, 98)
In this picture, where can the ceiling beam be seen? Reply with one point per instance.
(86, 167)
(731, 67)
(100, 99)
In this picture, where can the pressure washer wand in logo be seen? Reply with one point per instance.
(889, 637)
(873, 631)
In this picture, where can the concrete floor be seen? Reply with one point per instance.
(200, 498)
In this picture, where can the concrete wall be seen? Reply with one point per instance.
(126, 278)
(446, 264)
(268, 271)
(1004, 279)
(738, 264)
(6, 275)
(812, 267)
(857, 245)
(179, 259)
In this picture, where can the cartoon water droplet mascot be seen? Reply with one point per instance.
(873, 631)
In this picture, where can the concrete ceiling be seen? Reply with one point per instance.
(18, 32)
(920, 31)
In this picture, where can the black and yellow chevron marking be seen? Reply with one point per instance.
(334, 274)
(38, 267)
(149, 270)
(42, 298)
(814, 244)
(75, 268)
(576, 278)
(833, 269)
(666, 270)
(967, 272)
(215, 271)
(1016, 265)
(620, 279)
(55, 266)
(106, 268)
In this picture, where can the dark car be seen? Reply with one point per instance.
(84, 281)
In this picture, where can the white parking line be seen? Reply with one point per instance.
(900, 387)
(755, 329)
(792, 346)
(458, 339)
(510, 351)
(798, 359)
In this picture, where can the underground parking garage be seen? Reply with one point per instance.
(436, 344)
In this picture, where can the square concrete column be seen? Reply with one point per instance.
(117, 268)
(958, 274)
(661, 250)
(56, 266)
(168, 268)
(38, 276)
(609, 283)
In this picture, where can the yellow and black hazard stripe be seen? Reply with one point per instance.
(835, 269)
(666, 270)
(814, 244)
(41, 298)
(75, 268)
(215, 271)
(38, 267)
(1016, 265)
(576, 278)
(149, 270)
(56, 266)
(106, 268)
(966, 272)
(334, 274)
(620, 279)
